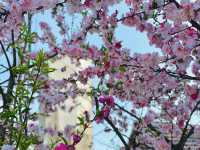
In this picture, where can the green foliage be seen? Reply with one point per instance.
(119, 85)
(24, 85)
(104, 49)
(84, 13)
(8, 114)
(81, 120)
(122, 68)
(20, 69)
(26, 35)
(110, 37)
(26, 141)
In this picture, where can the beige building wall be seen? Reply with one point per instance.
(61, 118)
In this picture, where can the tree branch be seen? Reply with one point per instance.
(14, 49)
(116, 130)
(4, 51)
(185, 135)
(193, 23)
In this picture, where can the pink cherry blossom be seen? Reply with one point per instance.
(76, 138)
(61, 146)
(162, 145)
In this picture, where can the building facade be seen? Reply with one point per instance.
(68, 116)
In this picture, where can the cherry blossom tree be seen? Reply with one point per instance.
(163, 85)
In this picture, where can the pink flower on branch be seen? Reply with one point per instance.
(61, 146)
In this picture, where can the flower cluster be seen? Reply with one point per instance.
(62, 146)
(107, 104)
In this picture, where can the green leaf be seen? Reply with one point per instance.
(20, 69)
(81, 120)
(98, 112)
(40, 58)
(20, 53)
(110, 37)
(26, 35)
(46, 69)
(104, 49)
(8, 114)
(84, 13)
(64, 140)
(118, 85)
(155, 14)
(109, 85)
(90, 93)
(122, 68)
(154, 4)
(113, 70)
(106, 57)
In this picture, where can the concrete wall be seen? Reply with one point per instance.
(61, 118)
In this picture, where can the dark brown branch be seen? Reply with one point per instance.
(178, 76)
(1, 83)
(116, 130)
(185, 135)
(14, 49)
(4, 95)
(4, 51)
(193, 23)
(131, 114)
